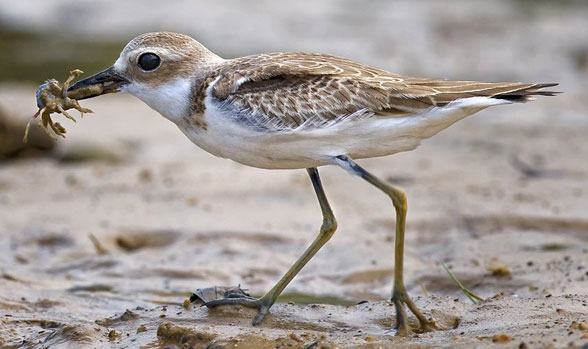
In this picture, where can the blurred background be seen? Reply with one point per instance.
(125, 212)
(482, 41)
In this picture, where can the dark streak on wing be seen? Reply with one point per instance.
(285, 90)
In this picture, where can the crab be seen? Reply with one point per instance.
(55, 98)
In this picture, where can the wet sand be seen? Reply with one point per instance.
(500, 198)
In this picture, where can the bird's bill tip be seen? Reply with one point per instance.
(107, 81)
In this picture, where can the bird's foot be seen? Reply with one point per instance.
(400, 299)
(261, 304)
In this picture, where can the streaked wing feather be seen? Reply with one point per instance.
(286, 90)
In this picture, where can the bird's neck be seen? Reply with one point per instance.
(180, 100)
(171, 100)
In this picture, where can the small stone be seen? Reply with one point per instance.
(501, 338)
(112, 335)
(370, 339)
(498, 269)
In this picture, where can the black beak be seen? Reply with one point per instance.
(108, 80)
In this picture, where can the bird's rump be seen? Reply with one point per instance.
(285, 91)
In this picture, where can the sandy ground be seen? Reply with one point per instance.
(504, 189)
(173, 219)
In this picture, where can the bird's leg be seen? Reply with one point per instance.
(399, 295)
(327, 230)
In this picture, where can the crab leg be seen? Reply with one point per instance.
(66, 114)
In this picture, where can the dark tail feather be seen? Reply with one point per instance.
(526, 94)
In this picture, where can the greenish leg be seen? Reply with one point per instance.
(327, 230)
(399, 295)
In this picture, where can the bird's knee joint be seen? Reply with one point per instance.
(329, 226)
(399, 200)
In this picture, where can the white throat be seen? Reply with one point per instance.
(172, 100)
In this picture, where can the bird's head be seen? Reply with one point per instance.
(159, 68)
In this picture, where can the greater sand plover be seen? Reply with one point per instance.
(300, 110)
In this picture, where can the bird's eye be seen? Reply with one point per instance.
(149, 61)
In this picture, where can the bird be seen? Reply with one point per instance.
(298, 110)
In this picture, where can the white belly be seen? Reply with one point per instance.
(311, 147)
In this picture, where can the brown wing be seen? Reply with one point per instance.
(286, 90)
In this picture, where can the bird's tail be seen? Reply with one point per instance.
(443, 92)
(526, 92)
